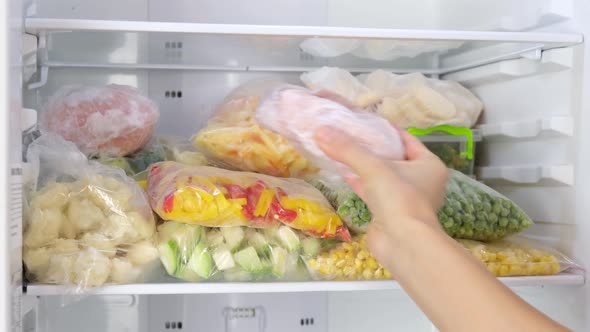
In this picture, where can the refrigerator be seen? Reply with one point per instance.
(526, 60)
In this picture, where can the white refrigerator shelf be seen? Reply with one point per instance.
(562, 279)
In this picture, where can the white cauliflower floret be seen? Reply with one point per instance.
(142, 253)
(37, 261)
(84, 215)
(109, 194)
(53, 195)
(64, 246)
(99, 241)
(61, 269)
(145, 228)
(91, 268)
(43, 227)
(119, 229)
(122, 271)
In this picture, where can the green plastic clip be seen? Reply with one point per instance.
(451, 130)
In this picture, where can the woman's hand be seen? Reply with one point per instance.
(397, 192)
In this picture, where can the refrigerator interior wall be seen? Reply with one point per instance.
(532, 106)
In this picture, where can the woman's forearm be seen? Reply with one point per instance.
(453, 289)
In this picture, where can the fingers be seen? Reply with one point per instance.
(413, 146)
(339, 146)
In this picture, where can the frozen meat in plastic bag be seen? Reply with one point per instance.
(112, 120)
(86, 224)
(234, 139)
(296, 113)
(413, 100)
(216, 197)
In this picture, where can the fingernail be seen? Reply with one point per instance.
(324, 134)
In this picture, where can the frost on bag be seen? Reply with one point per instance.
(196, 253)
(111, 120)
(234, 139)
(87, 224)
(518, 256)
(296, 113)
(474, 211)
(216, 197)
(413, 100)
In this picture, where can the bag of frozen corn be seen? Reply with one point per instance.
(195, 253)
(215, 197)
(518, 256)
(347, 261)
(234, 139)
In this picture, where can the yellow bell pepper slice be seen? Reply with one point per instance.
(264, 202)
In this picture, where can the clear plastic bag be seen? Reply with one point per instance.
(87, 224)
(388, 50)
(349, 207)
(518, 256)
(111, 120)
(474, 211)
(413, 100)
(196, 253)
(217, 197)
(347, 261)
(139, 161)
(234, 139)
(312, 112)
(182, 151)
(342, 83)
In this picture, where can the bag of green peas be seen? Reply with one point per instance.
(474, 211)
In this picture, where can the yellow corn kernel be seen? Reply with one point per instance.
(367, 274)
(379, 274)
(372, 263)
(313, 263)
(386, 274)
(362, 254)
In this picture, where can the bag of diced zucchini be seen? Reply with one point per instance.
(518, 256)
(474, 211)
(215, 197)
(196, 253)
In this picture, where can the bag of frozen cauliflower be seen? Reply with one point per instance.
(86, 224)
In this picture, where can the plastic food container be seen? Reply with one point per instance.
(455, 146)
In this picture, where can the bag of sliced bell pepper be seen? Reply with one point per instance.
(215, 197)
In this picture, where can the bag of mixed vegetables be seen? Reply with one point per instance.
(518, 256)
(182, 151)
(215, 197)
(234, 139)
(139, 161)
(471, 210)
(86, 224)
(196, 253)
